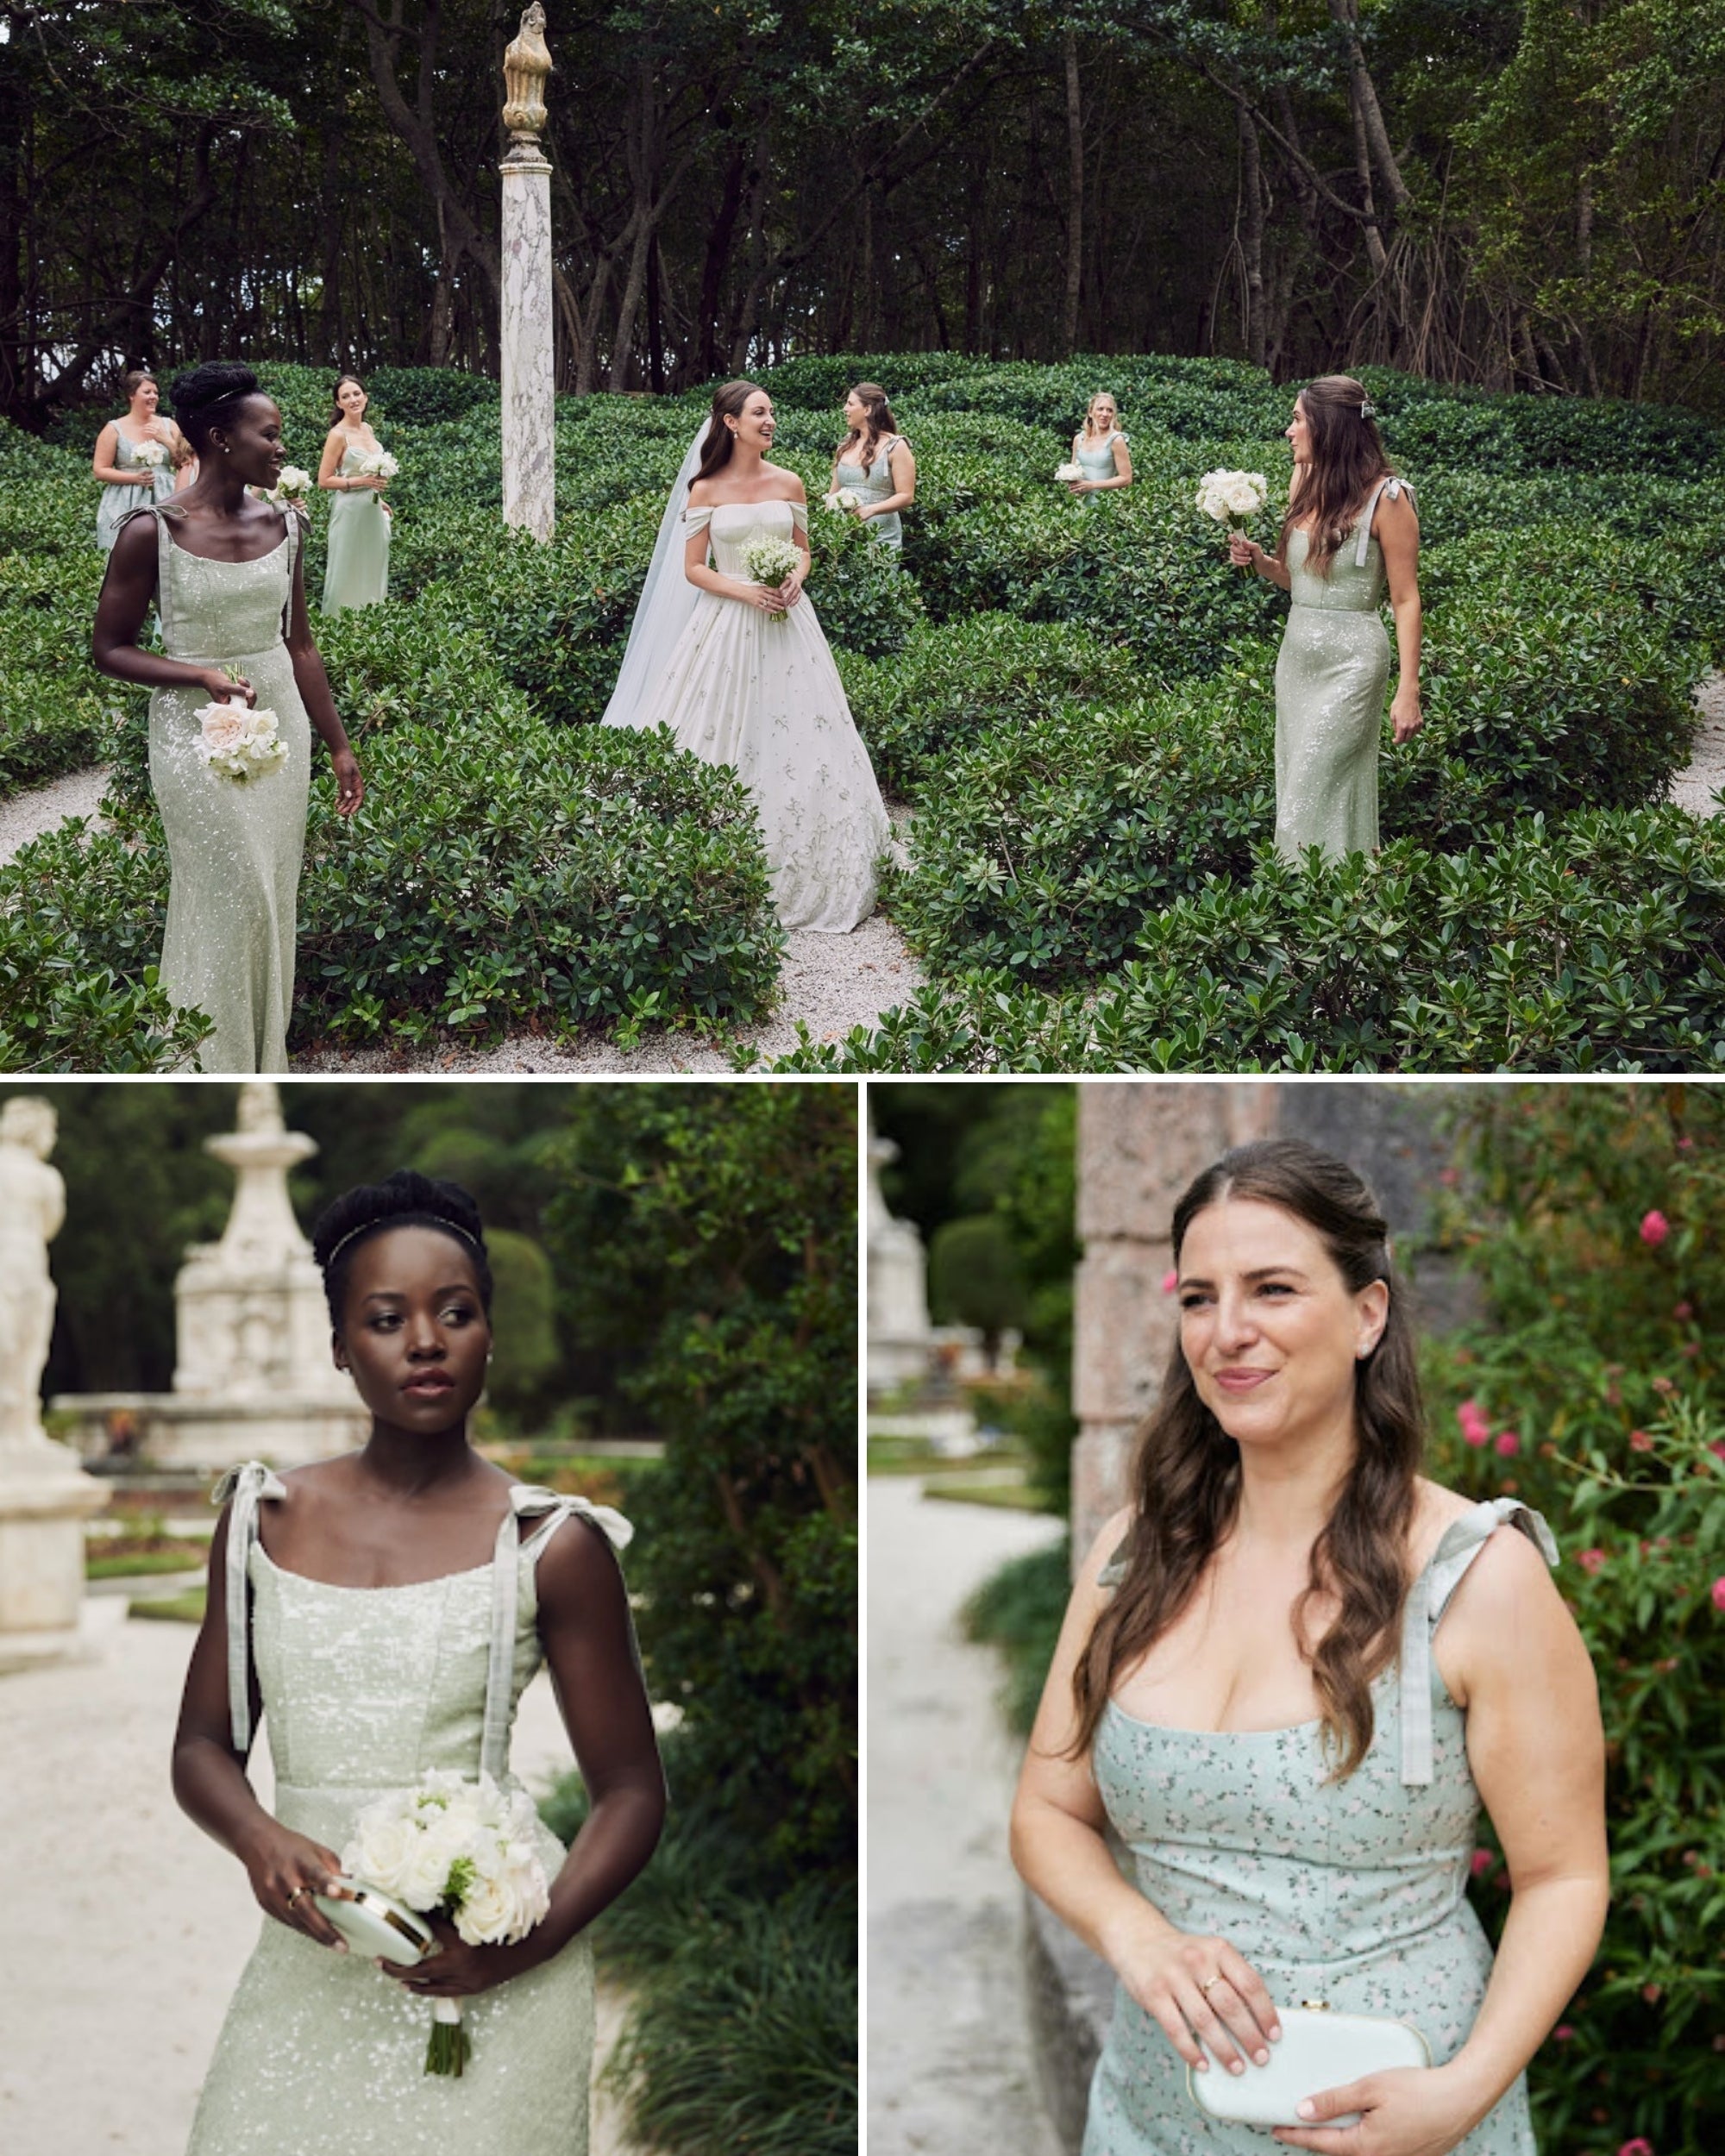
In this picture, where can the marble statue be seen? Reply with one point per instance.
(529, 380)
(32, 1212)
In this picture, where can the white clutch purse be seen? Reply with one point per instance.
(1319, 2050)
(375, 1924)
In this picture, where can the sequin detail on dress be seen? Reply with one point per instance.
(1330, 678)
(234, 851)
(1354, 1892)
(365, 1689)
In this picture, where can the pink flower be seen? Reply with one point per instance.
(223, 727)
(1683, 1313)
(1719, 1592)
(1591, 1560)
(1654, 1229)
(1639, 1441)
(1664, 1387)
(1481, 1862)
(1718, 1450)
(1474, 1427)
(1639, 2146)
(1685, 1145)
(1170, 1281)
(1563, 2032)
(1508, 1443)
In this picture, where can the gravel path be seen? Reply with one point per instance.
(1694, 789)
(951, 2064)
(26, 816)
(127, 1927)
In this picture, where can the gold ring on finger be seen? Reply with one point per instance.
(1206, 1988)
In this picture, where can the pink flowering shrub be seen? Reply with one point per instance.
(1594, 1220)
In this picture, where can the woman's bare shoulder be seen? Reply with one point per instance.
(788, 486)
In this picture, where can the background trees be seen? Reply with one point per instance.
(1513, 192)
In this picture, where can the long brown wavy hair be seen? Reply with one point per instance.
(1346, 462)
(1186, 1474)
(727, 403)
(880, 423)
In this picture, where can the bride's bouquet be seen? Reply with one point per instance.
(292, 484)
(150, 453)
(459, 1849)
(239, 744)
(1229, 496)
(769, 561)
(378, 464)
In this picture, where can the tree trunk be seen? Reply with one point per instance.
(1369, 112)
(1251, 237)
(719, 236)
(1075, 200)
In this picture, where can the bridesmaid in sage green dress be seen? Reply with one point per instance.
(224, 570)
(1351, 522)
(383, 1613)
(1100, 449)
(875, 462)
(356, 573)
(129, 482)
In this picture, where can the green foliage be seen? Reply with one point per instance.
(721, 1261)
(524, 1332)
(1019, 1610)
(974, 1276)
(1595, 1378)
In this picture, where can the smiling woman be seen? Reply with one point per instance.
(1290, 1673)
(386, 1610)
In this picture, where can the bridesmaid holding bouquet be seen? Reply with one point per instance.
(1099, 449)
(136, 457)
(356, 469)
(873, 464)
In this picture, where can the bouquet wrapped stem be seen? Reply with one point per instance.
(769, 561)
(449, 2049)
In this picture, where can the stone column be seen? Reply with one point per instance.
(44, 1495)
(1139, 1143)
(528, 382)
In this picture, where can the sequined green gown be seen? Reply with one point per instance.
(356, 573)
(118, 503)
(235, 848)
(1330, 678)
(365, 1689)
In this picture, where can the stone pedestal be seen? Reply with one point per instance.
(45, 1498)
(529, 381)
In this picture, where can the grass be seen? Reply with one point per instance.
(192, 1557)
(957, 1489)
(1019, 1609)
(179, 1609)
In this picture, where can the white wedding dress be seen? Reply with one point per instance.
(738, 687)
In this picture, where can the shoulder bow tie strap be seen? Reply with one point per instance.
(246, 1485)
(1460, 1544)
(526, 1500)
(1395, 489)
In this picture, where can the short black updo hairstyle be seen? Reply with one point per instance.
(204, 396)
(405, 1199)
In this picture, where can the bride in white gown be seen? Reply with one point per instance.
(742, 675)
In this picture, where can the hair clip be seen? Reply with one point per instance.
(1368, 410)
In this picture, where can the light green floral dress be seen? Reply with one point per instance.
(356, 573)
(874, 483)
(1354, 1892)
(1096, 459)
(365, 1690)
(118, 503)
(234, 849)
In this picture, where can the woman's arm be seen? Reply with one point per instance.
(1512, 1656)
(902, 466)
(1246, 553)
(1398, 534)
(127, 591)
(1058, 1845)
(104, 466)
(210, 1779)
(584, 1625)
(328, 477)
(313, 684)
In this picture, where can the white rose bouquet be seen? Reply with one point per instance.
(292, 484)
(769, 561)
(1230, 496)
(1068, 472)
(842, 499)
(239, 744)
(459, 1849)
(378, 464)
(150, 453)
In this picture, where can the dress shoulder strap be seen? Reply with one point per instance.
(799, 517)
(248, 1485)
(1460, 1543)
(295, 536)
(527, 1500)
(1394, 488)
(697, 519)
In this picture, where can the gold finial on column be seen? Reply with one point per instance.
(526, 62)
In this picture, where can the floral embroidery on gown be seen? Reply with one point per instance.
(1354, 1892)
(765, 697)
(365, 1689)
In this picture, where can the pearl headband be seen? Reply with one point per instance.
(404, 1219)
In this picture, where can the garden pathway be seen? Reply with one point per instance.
(950, 2066)
(125, 1927)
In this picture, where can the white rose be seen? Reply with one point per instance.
(489, 1914)
(1070, 472)
(381, 1854)
(223, 728)
(1245, 494)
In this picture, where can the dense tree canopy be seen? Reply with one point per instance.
(1515, 193)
